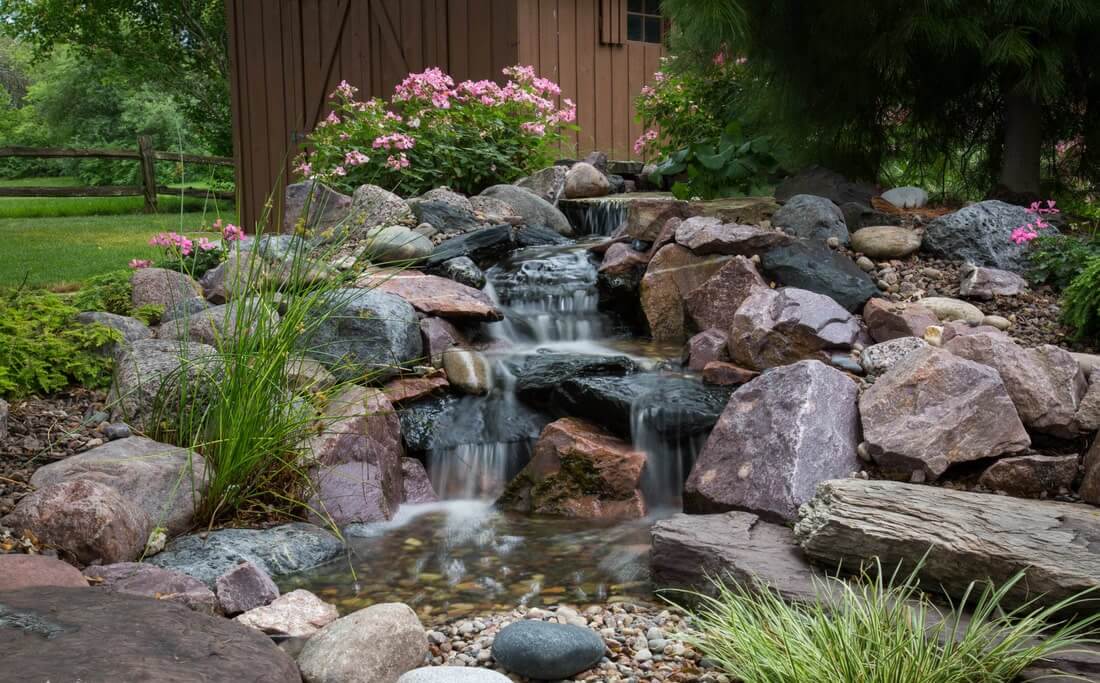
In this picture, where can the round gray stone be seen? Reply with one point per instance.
(546, 651)
(452, 674)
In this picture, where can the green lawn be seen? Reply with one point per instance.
(28, 207)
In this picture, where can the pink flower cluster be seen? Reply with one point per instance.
(644, 139)
(397, 162)
(432, 85)
(232, 233)
(393, 141)
(171, 240)
(355, 158)
(139, 263)
(1026, 233)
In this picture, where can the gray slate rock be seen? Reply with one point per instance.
(815, 267)
(812, 218)
(535, 211)
(540, 373)
(487, 246)
(463, 270)
(371, 332)
(545, 651)
(279, 550)
(981, 234)
(447, 217)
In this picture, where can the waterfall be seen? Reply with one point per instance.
(596, 216)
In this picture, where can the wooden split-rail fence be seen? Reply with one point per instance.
(145, 154)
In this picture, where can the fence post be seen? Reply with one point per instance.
(148, 172)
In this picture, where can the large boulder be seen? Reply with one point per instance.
(445, 216)
(541, 373)
(585, 180)
(131, 329)
(714, 303)
(934, 409)
(374, 645)
(30, 571)
(884, 242)
(579, 470)
(375, 207)
(980, 282)
(161, 287)
(313, 206)
(813, 266)
(353, 493)
(956, 537)
(811, 217)
(297, 614)
(820, 181)
(488, 246)
(87, 521)
(366, 332)
(152, 375)
(779, 326)
(548, 183)
(277, 550)
(218, 326)
(708, 235)
(780, 436)
(164, 481)
(436, 296)
(535, 211)
(78, 634)
(157, 583)
(395, 244)
(673, 273)
(980, 234)
(546, 651)
(888, 320)
(1045, 383)
(468, 371)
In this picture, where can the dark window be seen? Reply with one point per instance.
(643, 21)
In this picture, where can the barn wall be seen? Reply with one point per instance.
(561, 39)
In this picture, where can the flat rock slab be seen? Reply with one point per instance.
(967, 537)
(27, 571)
(77, 634)
(437, 296)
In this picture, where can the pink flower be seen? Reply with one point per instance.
(304, 169)
(206, 245)
(397, 163)
(340, 171)
(185, 246)
(644, 139)
(1023, 235)
(424, 86)
(533, 127)
(355, 158)
(138, 263)
(719, 58)
(345, 90)
(393, 141)
(232, 233)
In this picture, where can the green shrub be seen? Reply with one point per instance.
(435, 133)
(110, 292)
(1058, 259)
(728, 166)
(878, 630)
(42, 350)
(1081, 302)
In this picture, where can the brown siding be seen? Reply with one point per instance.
(564, 40)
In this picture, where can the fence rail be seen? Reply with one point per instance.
(144, 154)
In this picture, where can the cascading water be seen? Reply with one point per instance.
(600, 217)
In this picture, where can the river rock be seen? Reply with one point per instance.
(1030, 476)
(161, 287)
(535, 211)
(297, 614)
(164, 481)
(19, 571)
(436, 296)
(150, 581)
(546, 651)
(395, 243)
(948, 309)
(310, 205)
(884, 242)
(779, 436)
(277, 550)
(548, 183)
(811, 217)
(823, 182)
(934, 409)
(878, 358)
(244, 587)
(468, 371)
(1088, 411)
(888, 320)
(131, 329)
(374, 207)
(84, 519)
(416, 485)
(77, 634)
(585, 180)
(706, 347)
(579, 470)
(1045, 383)
(979, 282)
(714, 303)
(956, 537)
(981, 234)
(907, 197)
(452, 674)
(464, 271)
(813, 266)
(706, 235)
(367, 332)
(726, 374)
(673, 273)
(354, 493)
(541, 372)
(690, 550)
(779, 326)
(373, 645)
(147, 377)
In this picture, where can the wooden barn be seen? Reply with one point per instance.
(287, 55)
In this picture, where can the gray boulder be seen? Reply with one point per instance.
(535, 211)
(368, 332)
(184, 308)
(463, 270)
(813, 266)
(161, 287)
(584, 180)
(823, 182)
(395, 243)
(812, 218)
(375, 207)
(149, 378)
(310, 205)
(545, 651)
(780, 436)
(979, 282)
(981, 234)
(354, 493)
(447, 217)
(131, 329)
(548, 184)
(374, 645)
(907, 197)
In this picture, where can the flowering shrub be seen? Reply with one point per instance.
(1025, 233)
(433, 132)
(192, 256)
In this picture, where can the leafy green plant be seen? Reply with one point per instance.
(880, 629)
(110, 292)
(433, 132)
(729, 166)
(1058, 259)
(1081, 301)
(42, 350)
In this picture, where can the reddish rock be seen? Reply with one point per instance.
(714, 303)
(707, 235)
(1088, 412)
(439, 335)
(151, 581)
(1045, 382)
(436, 295)
(358, 425)
(32, 571)
(645, 217)
(706, 347)
(934, 409)
(775, 327)
(408, 389)
(779, 436)
(84, 519)
(298, 614)
(673, 273)
(416, 486)
(1029, 476)
(244, 587)
(161, 287)
(726, 374)
(887, 320)
(620, 260)
(354, 493)
(579, 470)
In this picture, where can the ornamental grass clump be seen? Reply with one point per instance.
(879, 630)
